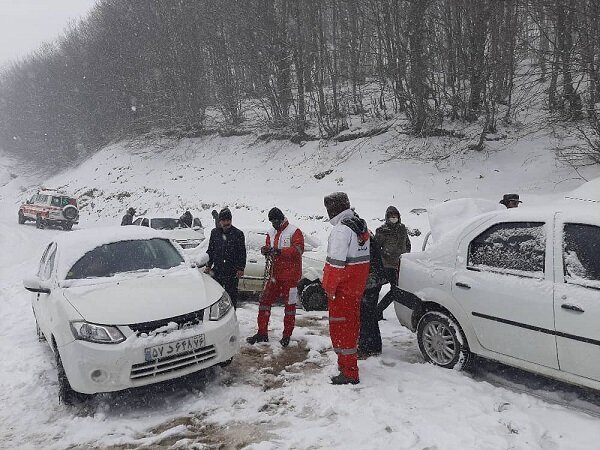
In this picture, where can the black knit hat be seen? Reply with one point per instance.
(225, 214)
(391, 211)
(276, 214)
(335, 203)
(510, 197)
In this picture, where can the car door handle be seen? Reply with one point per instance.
(572, 307)
(463, 285)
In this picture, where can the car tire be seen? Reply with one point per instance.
(70, 212)
(67, 226)
(66, 394)
(39, 222)
(313, 297)
(442, 341)
(21, 218)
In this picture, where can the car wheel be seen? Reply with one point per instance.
(442, 341)
(70, 212)
(21, 218)
(67, 226)
(313, 297)
(66, 394)
(39, 222)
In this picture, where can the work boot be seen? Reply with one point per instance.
(257, 338)
(285, 341)
(343, 379)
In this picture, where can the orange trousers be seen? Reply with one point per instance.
(276, 289)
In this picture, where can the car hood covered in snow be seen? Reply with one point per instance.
(142, 297)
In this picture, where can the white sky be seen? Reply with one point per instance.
(26, 24)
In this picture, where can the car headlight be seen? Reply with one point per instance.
(222, 307)
(101, 334)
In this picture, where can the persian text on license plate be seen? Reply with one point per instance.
(174, 348)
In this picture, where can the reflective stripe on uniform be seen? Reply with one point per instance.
(358, 259)
(345, 351)
(337, 319)
(264, 308)
(290, 312)
(335, 262)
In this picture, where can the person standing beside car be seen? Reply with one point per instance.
(284, 244)
(344, 280)
(128, 217)
(227, 255)
(369, 340)
(392, 238)
(510, 201)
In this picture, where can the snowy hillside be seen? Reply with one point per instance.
(272, 398)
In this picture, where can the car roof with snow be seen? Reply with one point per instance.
(73, 245)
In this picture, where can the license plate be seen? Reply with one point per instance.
(174, 348)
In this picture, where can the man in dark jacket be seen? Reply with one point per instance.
(392, 238)
(128, 217)
(369, 340)
(227, 255)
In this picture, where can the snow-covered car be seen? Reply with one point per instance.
(50, 207)
(311, 293)
(173, 228)
(120, 308)
(520, 286)
(312, 296)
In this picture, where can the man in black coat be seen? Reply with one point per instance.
(227, 255)
(186, 219)
(128, 217)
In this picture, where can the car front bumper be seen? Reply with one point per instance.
(92, 368)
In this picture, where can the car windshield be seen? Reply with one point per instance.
(125, 256)
(165, 223)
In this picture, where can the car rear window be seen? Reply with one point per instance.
(510, 246)
(581, 252)
(125, 256)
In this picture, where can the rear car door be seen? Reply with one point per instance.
(252, 281)
(577, 297)
(502, 284)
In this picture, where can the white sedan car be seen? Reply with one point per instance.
(173, 229)
(520, 286)
(120, 308)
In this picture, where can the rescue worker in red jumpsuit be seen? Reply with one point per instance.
(344, 279)
(285, 245)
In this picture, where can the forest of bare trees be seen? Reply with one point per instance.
(137, 66)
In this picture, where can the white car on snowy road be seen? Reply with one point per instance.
(120, 308)
(520, 286)
(173, 229)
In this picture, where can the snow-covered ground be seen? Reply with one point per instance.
(273, 398)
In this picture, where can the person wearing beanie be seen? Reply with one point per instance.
(227, 255)
(392, 238)
(510, 200)
(344, 280)
(128, 217)
(284, 246)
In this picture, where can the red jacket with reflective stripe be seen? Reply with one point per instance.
(287, 266)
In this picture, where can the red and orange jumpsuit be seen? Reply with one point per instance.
(344, 279)
(285, 274)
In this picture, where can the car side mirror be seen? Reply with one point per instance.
(35, 284)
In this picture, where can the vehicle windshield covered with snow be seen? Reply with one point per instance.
(186, 237)
(126, 256)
